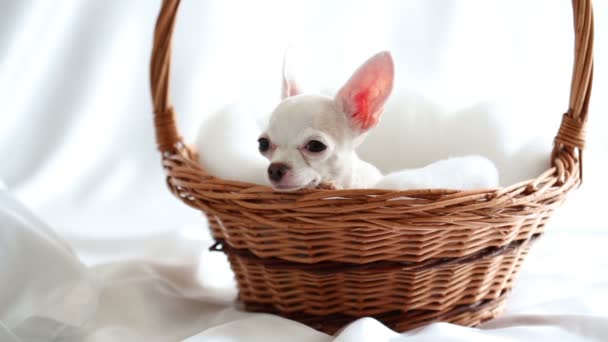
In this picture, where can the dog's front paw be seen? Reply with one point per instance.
(332, 185)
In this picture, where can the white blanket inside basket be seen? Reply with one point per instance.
(418, 144)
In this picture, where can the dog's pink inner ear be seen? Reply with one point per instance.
(290, 88)
(362, 98)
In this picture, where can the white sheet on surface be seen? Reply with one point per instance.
(49, 295)
(112, 256)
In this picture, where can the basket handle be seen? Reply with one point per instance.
(570, 137)
(167, 135)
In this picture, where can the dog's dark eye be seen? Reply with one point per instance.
(264, 144)
(315, 146)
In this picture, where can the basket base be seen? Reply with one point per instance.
(469, 315)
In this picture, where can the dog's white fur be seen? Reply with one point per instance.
(302, 118)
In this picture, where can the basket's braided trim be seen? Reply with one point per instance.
(379, 266)
(167, 136)
(571, 132)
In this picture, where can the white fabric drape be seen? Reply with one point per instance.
(94, 248)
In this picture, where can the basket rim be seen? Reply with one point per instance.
(563, 176)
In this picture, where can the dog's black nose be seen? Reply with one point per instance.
(276, 171)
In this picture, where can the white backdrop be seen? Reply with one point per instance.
(78, 150)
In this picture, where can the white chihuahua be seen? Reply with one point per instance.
(311, 139)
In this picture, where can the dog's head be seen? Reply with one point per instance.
(312, 138)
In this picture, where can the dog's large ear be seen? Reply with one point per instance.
(363, 96)
(290, 87)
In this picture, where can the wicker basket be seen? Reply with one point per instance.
(326, 257)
